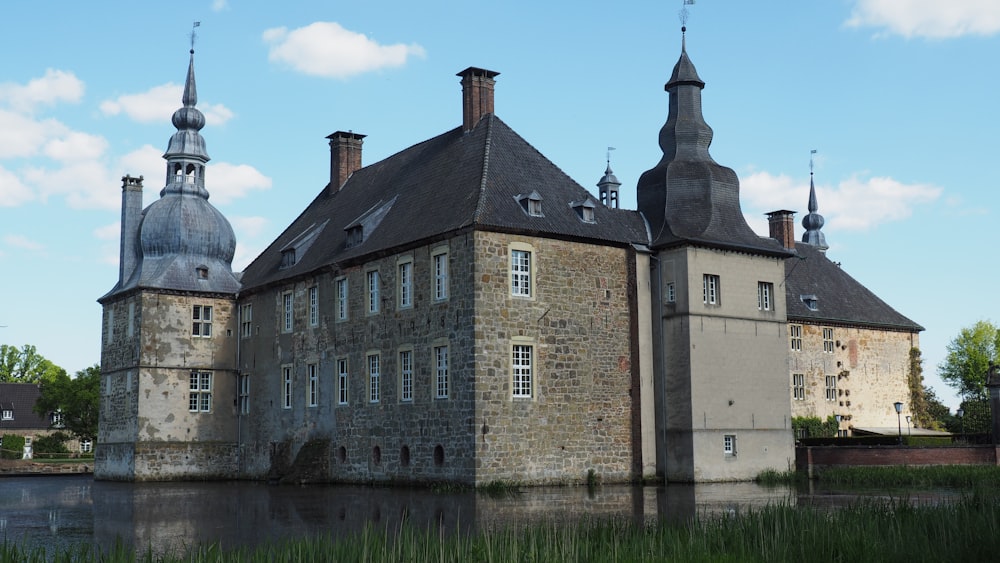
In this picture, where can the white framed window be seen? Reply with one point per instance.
(374, 378)
(244, 394)
(406, 375)
(58, 420)
(201, 321)
(441, 372)
(795, 334)
(439, 261)
(831, 388)
(729, 444)
(342, 381)
(765, 295)
(341, 284)
(313, 373)
(246, 320)
(200, 391)
(521, 271)
(671, 292)
(828, 346)
(405, 284)
(799, 386)
(288, 311)
(86, 446)
(8, 414)
(286, 387)
(373, 291)
(314, 306)
(710, 289)
(522, 370)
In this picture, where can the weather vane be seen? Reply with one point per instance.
(196, 24)
(811, 153)
(609, 155)
(684, 13)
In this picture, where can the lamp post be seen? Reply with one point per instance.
(899, 419)
(908, 426)
(961, 418)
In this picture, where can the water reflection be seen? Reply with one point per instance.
(69, 510)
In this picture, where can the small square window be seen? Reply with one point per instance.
(729, 444)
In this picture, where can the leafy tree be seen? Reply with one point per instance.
(76, 398)
(969, 357)
(938, 414)
(918, 398)
(25, 365)
(54, 443)
(975, 417)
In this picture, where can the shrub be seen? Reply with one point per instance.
(13, 447)
(54, 443)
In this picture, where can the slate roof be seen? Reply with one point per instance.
(21, 398)
(457, 180)
(841, 299)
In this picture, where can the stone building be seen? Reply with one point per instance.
(461, 311)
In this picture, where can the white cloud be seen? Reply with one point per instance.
(937, 19)
(859, 203)
(159, 103)
(84, 184)
(12, 191)
(219, 5)
(56, 86)
(249, 227)
(327, 49)
(22, 136)
(22, 242)
(227, 182)
(109, 232)
(75, 145)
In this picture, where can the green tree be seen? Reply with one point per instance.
(77, 398)
(25, 365)
(968, 358)
(938, 413)
(918, 399)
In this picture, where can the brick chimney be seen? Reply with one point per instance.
(345, 157)
(781, 224)
(477, 95)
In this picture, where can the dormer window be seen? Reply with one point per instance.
(292, 252)
(531, 203)
(584, 210)
(202, 272)
(811, 301)
(365, 225)
(287, 258)
(355, 236)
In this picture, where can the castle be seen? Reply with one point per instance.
(462, 311)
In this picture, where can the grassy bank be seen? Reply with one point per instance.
(967, 530)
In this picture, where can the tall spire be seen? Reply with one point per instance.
(688, 197)
(186, 155)
(813, 222)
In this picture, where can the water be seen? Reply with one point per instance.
(63, 511)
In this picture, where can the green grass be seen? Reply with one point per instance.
(871, 530)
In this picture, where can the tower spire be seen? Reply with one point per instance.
(813, 222)
(608, 185)
(186, 155)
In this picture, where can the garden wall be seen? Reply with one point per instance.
(812, 459)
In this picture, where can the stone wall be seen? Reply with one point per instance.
(870, 367)
(814, 459)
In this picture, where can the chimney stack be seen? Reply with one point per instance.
(345, 157)
(131, 216)
(781, 224)
(477, 95)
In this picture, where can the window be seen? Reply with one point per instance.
(440, 265)
(671, 292)
(520, 273)
(406, 375)
(287, 307)
(373, 378)
(286, 387)
(313, 398)
(8, 414)
(405, 285)
(828, 340)
(521, 364)
(799, 386)
(795, 332)
(86, 446)
(200, 391)
(373, 291)
(130, 327)
(341, 299)
(531, 203)
(246, 320)
(244, 396)
(729, 444)
(765, 293)
(201, 321)
(831, 388)
(58, 420)
(710, 289)
(441, 372)
(342, 381)
(111, 326)
(314, 306)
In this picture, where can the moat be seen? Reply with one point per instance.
(71, 510)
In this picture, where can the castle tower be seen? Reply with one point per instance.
(168, 349)
(719, 327)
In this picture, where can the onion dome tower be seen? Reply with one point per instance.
(608, 186)
(813, 222)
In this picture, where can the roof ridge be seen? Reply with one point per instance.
(486, 170)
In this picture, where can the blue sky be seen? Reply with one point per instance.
(897, 96)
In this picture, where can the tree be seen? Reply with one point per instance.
(938, 414)
(918, 400)
(968, 358)
(77, 398)
(25, 365)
